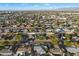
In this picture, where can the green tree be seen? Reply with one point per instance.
(18, 37)
(6, 43)
(54, 40)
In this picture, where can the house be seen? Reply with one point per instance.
(6, 30)
(75, 38)
(49, 33)
(14, 25)
(43, 17)
(56, 52)
(53, 16)
(73, 49)
(23, 50)
(61, 19)
(39, 50)
(69, 32)
(25, 31)
(6, 52)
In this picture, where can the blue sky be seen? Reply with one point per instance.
(36, 6)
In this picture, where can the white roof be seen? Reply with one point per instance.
(39, 49)
(72, 49)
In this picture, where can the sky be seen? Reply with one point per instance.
(36, 6)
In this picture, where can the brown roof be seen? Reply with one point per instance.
(69, 32)
(24, 49)
(56, 51)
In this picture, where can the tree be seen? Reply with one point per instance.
(18, 37)
(41, 38)
(6, 43)
(54, 40)
(14, 42)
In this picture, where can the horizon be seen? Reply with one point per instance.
(37, 6)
